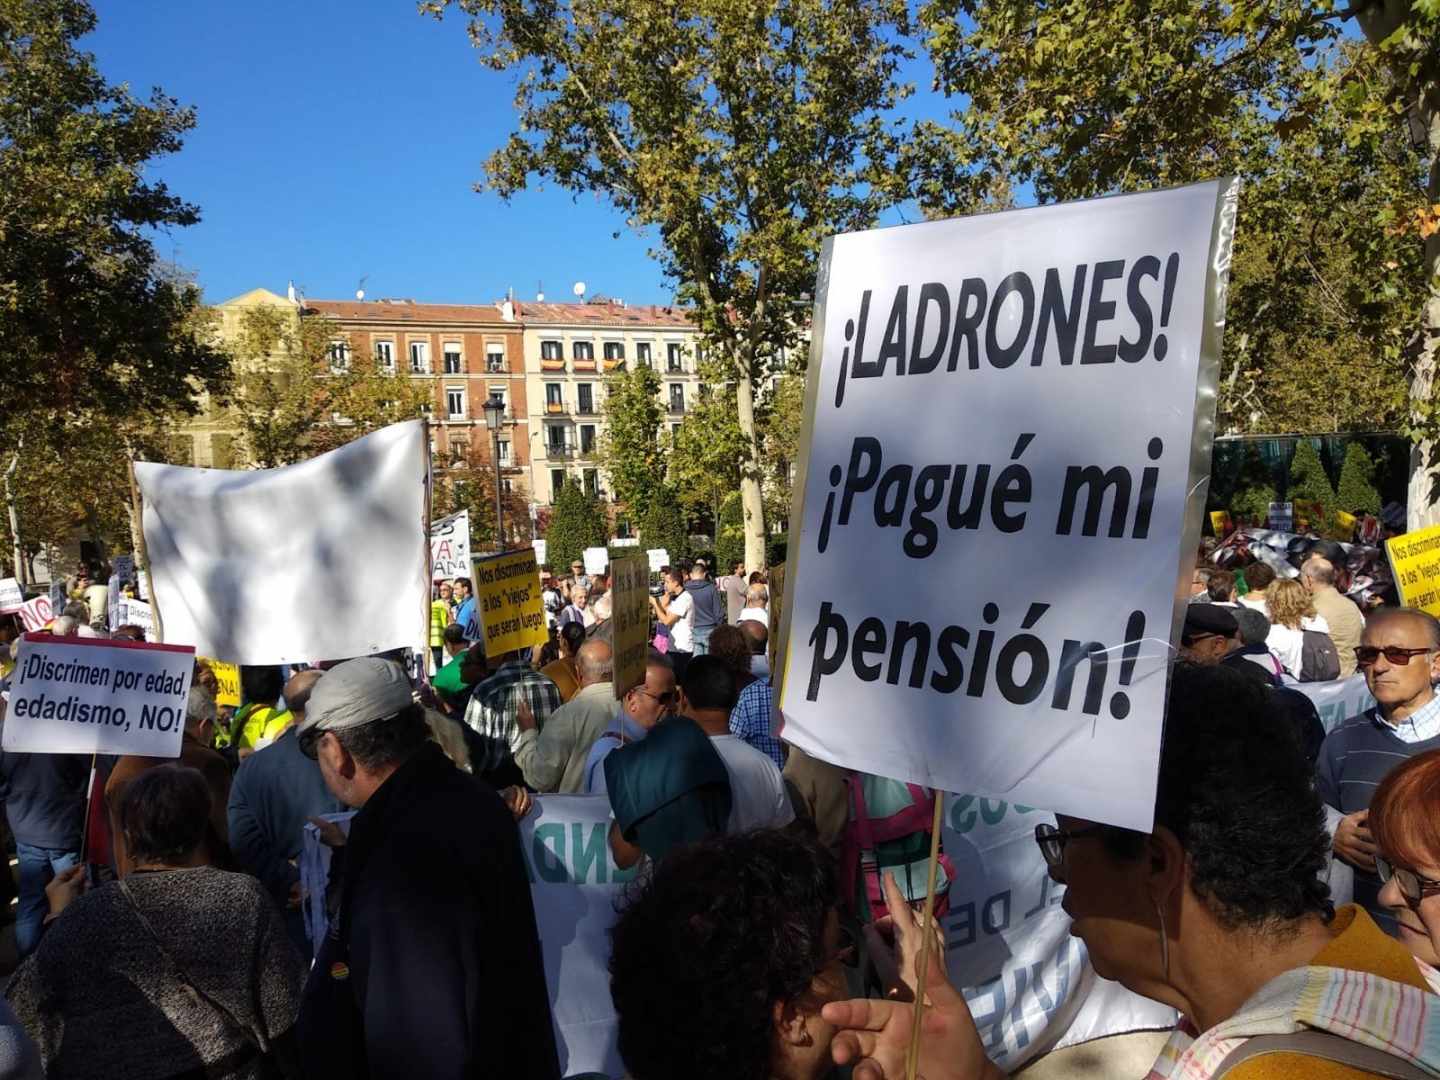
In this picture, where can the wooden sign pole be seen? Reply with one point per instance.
(912, 1059)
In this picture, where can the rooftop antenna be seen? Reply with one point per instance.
(360, 289)
(579, 291)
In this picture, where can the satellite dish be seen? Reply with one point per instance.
(539, 297)
(359, 294)
(579, 289)
(360, 288)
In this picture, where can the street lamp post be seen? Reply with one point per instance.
(494, 416)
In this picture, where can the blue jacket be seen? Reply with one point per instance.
(44, 796)
(465, 616)
(709, 604)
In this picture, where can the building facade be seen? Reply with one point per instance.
(569, 351)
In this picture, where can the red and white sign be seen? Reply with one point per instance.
(36, 614)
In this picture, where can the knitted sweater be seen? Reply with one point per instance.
(102, 999)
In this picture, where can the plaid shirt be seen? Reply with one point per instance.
(495, 705)
(1422, 724)
(750, 721)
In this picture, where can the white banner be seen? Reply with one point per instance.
(323, 560)
(539, 545)
(596, 560)
(1029, 983)
(93, 696)
(1020, 404)
(450, 546)
(136, 613)
(659, 559)
(1338, 700)
(575, 885)
(11, 595)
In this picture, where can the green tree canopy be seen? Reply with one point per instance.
(630, 449)
(576, 523)
(1309, 483)
(662, 525)
(1356, 492)
(1255, 489)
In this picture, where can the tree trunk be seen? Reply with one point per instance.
(751, 499)
(1379, 20)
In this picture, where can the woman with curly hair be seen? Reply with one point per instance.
(723, 958)
(1292, 612)
(1219, 911)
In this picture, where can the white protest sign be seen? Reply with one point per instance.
(37, 613)
(1029, 984)
(625, 541)
(1020, 404)
(596, 559)
(659, 559)
(96, 696)
(450, 546)
(11, 595)
(1281, 517)
(136, 613)
(540, 547)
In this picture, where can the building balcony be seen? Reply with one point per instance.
(586, 452)
(617, 364)
(586, 410)
(559, 453)
(552, 365)
(677, 409)
(556, 408)
(583, 365)
(495, 367)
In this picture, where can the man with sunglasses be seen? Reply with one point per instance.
(641, 708)
(1399, 655)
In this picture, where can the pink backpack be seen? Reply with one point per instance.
(897, 843)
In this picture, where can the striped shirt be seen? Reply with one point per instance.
(495, 705)
(1354, 758)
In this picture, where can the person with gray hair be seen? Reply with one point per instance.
(1254, 629)
(432, 960)
(79, 614)
(757, 599)
(197, 752)
(1343, 617)
(553, 758)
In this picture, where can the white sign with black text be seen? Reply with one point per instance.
(1009, 426)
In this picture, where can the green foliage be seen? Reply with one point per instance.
(91, 325)
(781, 423)
(1356, 493)
(1308, 483)
(707, 454)
(576, 523)
(1254, 491)
(468, 483)
(629, 450)
(662, 525)
(1076, 101)
(730, 532)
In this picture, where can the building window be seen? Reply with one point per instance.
(642, 353)
(454, 365)
(455, 402)
(506, 486)
(675, 430)
(459, 451)
(420, 357)
(586, 401)
(504, 451)
(385, 355)
(552, 350)
(494, 358)
(339, 355)
(677, 398)
(587, 438)
(498, 392)
(554, 438)
(614, 350)
(583, 350)
(557, 481)
(674, 357)
(592, 482)
(553, 401)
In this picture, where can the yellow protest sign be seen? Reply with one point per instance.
(1220, 522)
(228, 676)
(630, 620)
(507, 590)
(1344, 527)
(1415, 563)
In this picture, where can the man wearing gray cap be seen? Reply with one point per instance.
(432, 965)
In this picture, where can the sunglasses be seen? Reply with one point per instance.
(667, 698)
(1052, 841)
(1412, 886)
(1365, 655)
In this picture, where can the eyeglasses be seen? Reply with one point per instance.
(309, 742)
(1052, 841)
(667, 698)
(1412, 886)
(1365, 655)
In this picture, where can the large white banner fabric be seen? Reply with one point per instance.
(317, 561)
(1009, 424)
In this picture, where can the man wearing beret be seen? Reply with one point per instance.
(431, 966)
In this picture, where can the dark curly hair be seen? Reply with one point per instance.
(1236, 790)
(708, 943)
(164, 812)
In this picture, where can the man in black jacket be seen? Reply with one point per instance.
(432, 965)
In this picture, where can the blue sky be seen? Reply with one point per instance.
(339, 139)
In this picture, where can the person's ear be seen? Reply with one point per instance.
(335, 756)
(790, 1025)
(1166, 870)
(682, 703)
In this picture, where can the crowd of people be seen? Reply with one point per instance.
(771, 929)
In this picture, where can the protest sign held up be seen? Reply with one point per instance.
(658, 558)
(630, 618)
(596, 559)
(95, 696)
(450, 546)
(37, 613)
(228, 676)
(11, 595)
(1415, 564)
(136, 613)
(507, 590)
(1021, 401)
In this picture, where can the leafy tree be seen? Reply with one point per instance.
(742, 133)
(630, 450)
(1356, 493)
(708, 454)
(1081, 100)
(576, 523)
(90, 324)
(782, 423)
(730, 533)
(468, 483)
(1254, 490)
(662, 525)
(1308, 483)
